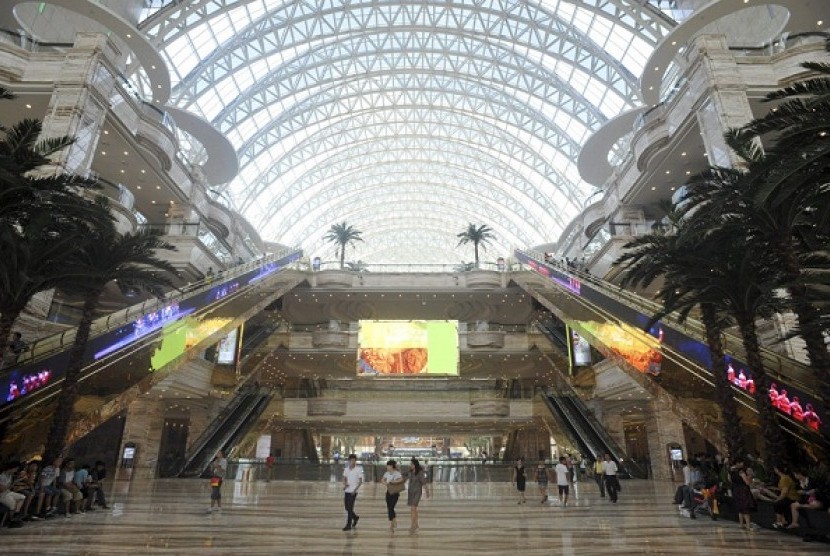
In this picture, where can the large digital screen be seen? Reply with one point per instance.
(407, 347)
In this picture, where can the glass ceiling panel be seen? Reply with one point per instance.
(488, 101)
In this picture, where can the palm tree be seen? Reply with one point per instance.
(342, 235)
(674, 258)
(477, 235)
(130, 261)
(41, 217)
(775, 202)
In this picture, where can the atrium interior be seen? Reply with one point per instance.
(463, 231)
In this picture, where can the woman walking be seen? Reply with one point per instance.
(742, 495)
(394, 485)
(417, 484)
(519, 479)
(542, 480)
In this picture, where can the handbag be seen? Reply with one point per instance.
(396, 488)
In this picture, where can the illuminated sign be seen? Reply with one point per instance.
(417, 347)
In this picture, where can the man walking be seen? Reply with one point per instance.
(562, 479)
(352, 479)
(599, 476)
(609, 469)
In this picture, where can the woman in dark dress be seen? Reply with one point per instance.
(519, 479)
(417, 483)
(742, 495)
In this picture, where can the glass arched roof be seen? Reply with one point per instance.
(405, 118)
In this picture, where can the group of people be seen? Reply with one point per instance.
(566, 472)
(416, 484)
(790, 491)
(31, 493)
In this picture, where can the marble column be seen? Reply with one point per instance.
(325, 446)
(145, 421)
(80, 100)
(716, 79)
(663, 427)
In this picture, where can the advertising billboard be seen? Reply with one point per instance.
(407, 347)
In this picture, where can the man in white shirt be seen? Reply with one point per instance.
(562, 481)
(609, 469)
(352, 479)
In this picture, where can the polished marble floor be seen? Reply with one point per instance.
(281, 517)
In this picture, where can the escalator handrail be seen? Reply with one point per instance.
(49, 345)
(555, 404)
(694, 328)
(223, 432)
(207, 434)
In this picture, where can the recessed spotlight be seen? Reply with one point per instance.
(126, 153)
(29, 106)
(653, 188)
(153, 202)
(820, 22)
(674, 43)
(152, 67)
(106, 132)
(688, 172)
(104, 153)
(656, 68)
(138, 187)
(158, 187)
(123, 171)
(668, 171)
(143, 171)
(683, 153)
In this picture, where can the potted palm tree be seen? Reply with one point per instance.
(479, 236)
(341, 235)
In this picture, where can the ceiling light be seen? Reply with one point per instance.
(653, 188)
(153, 202)
(29, 106)
(674, 43)
(129, 36)
(126, 153)
(673, 188)
(106, 132)
(138, 187)
(158, 187)
(668, 171)
(820, 22)
(688, 172)
(123, 171)
(104, 153)
(683, 153)
(143, 171)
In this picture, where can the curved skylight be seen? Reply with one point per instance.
(407, 119)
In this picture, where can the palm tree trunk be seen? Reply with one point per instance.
(475, 245)
(732, 431)
(773, 438)
(342, 256)
(56, 441)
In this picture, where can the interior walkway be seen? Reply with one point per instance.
(168, 517)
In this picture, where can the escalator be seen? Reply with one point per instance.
(576, 420)
(147, 340)
(132, 351)
(603, 313)
(228, 429)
